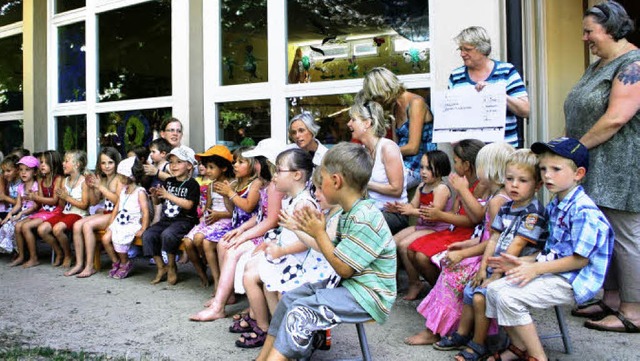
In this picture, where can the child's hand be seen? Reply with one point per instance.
(232, 233)
(391, 207)
(211, 217)
(429, 213)
(407, 209)
(161, 192)
(139, 233)
(310, 221)
(458, 183)
(522, 274)
(62, 193)
(455, 246)
(479, 278)
(494, 277)
(287, 221)
(452, 258)
(150, 170)
(223, 188)
(260, 248)
(273, 250)
(504, 262)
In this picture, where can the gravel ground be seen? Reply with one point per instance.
(41, 307)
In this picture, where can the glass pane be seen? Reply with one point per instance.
(71, 63)
(11, 136)
(11, 73)
(244, 41)
(244, 123)
(66, 5)
(135, 52)
(71, 132)
(125, 130)
(10, 11)
(343, 39)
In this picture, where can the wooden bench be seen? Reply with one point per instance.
(97, 264)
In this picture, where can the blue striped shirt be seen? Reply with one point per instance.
(502, 73)
(578, 226)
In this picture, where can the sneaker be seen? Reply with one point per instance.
(124, 271)
(114, 268)
(165, 258)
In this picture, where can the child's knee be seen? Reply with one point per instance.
(479, 300)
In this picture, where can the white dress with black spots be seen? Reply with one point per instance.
(127, 222)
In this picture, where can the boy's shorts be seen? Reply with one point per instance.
(469, 291)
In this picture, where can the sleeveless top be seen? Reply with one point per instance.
(75, 193)
(238, 215)
(48, 192)
(412, 162)
(610, 181)
(27, 203)
(379, 175)
(425, 200)
(217, 201)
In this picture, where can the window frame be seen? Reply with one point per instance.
(6, 31)
(276, 89)
(91, 107)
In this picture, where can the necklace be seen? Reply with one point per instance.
(70, 188)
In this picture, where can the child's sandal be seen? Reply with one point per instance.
(114, 268)
(477, 352)
(123, 271)
(520, 354)
(236, 327)
(252, 339)
(453, 342)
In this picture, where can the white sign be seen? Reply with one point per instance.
(465, 113)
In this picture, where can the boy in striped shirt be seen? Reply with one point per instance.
(363, 254)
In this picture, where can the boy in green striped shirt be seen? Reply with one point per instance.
(363, 254)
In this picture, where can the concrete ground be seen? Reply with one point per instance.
(41, 307)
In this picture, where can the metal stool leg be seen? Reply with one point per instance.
(564, 330)
(364, 345)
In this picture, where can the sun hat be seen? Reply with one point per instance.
(219, 150)
(30, 161)
(268, 148)
(124, 167)
(565, 147)
(183, 153)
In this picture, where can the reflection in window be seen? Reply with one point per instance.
(125, 130)
(11, 73)
(11, 136)
(243, 123)
(10, 11)
(135, 51)
(66, 5)
(244, 41)
(71, 133)
(333, 40)
(71, 63)
(331, 113)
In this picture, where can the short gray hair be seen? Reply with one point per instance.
(613, 18)
(309, 122)
(476, 36)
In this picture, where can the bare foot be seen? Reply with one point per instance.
(204, 281)
(57, 261)
(74, 270)
(16, 262)
(207, 315)
(424, 337)
(232, 299)
(87, 273)
(172, 275)
(30, 263)
(413, 291)
(67, 262)
(184, 259)
(159, 276)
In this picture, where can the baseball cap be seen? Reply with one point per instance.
(30, 161)
(219, 150)
(268, 148)
(183, 153)
(565, 147)
(124, 167)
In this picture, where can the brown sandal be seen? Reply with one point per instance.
(520, 354)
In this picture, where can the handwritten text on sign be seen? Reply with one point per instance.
(465, 113)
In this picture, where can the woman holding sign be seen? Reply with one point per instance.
(479, 70)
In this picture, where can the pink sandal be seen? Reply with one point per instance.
(123, 271)
(114, 268)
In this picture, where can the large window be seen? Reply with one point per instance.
(318, 53)
(11, 75)
(114, 71)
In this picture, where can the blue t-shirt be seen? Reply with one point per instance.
(528, 222)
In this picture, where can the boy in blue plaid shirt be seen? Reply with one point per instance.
(572, 266)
